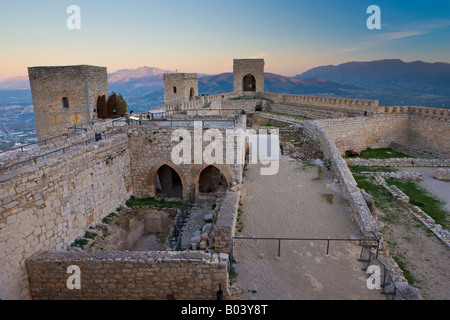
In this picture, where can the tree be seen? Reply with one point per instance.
(121, 104)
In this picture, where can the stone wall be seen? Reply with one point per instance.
(110, 275)
(398, 162)
(225, 226)
(311, 112)
(151, 147)
(360, 133)
(360, 212)
(178, 86)
(337, 104)
(81, 85)
(47, 205)
(242, 67)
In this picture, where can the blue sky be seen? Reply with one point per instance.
(206, 35)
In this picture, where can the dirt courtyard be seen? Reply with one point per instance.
(296, 203)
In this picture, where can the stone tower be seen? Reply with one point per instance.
(65, 96)
(248, 76)
(180, 87)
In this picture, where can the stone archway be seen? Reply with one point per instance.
(168, 182)
(213, 178)
(249, 83)
(173, 177)
(191, 93)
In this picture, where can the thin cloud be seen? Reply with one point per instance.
(382, 39)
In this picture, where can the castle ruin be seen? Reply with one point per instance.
(53, 194)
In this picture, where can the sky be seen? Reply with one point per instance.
(204, 36)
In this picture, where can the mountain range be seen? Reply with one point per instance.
(391, 81)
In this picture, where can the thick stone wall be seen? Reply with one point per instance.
(178, 86)
(429, 134)
(398, 162)
(360, 211)
(360, 133)
(242, 67)
(311, 112)
(48, 205)
(225, 226)
(337, 104)
(112, 275)
(81, 85)
(151, 147)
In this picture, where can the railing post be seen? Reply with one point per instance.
(279, 248)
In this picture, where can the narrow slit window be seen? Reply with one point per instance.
(65, 102)
(174, 89)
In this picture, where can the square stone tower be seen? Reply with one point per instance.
(65, 96)
(180, 87)
(248, 76)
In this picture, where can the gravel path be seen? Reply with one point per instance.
(294, 203)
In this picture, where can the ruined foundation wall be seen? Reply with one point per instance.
(129, 275)
(48, 205)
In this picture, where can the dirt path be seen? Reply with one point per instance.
(295, 203)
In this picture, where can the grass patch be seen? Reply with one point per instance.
(152, 202)
(382, 153)
(80, 243)
(291, 137)
(359, 169)
(422, 199)
(109, 218)
(298, 117)
(405, 270)
(383, 199)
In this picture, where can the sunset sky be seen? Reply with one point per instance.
(205, 36)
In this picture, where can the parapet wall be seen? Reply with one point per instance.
(47, 205)
(343, 104)
(113, 275)
(358, 134)
(435, 113)
(361, 213)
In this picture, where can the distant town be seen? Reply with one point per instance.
(17, 127)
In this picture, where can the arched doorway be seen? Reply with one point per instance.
(101, 107)
(212, 180)
(249, 83)
(191, 93)
(168, 183)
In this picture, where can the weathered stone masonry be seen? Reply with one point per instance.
(129, 275)
(48, 205)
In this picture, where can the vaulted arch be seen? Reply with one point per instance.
(249, 83)
(167, 179)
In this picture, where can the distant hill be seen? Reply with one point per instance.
(394, 81)
(280, 84)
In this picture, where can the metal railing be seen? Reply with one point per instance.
(63, 149)
(328, 241)
(181, 219)
(388, 287)
(40, 142)
(367, 257)
(206, 123)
